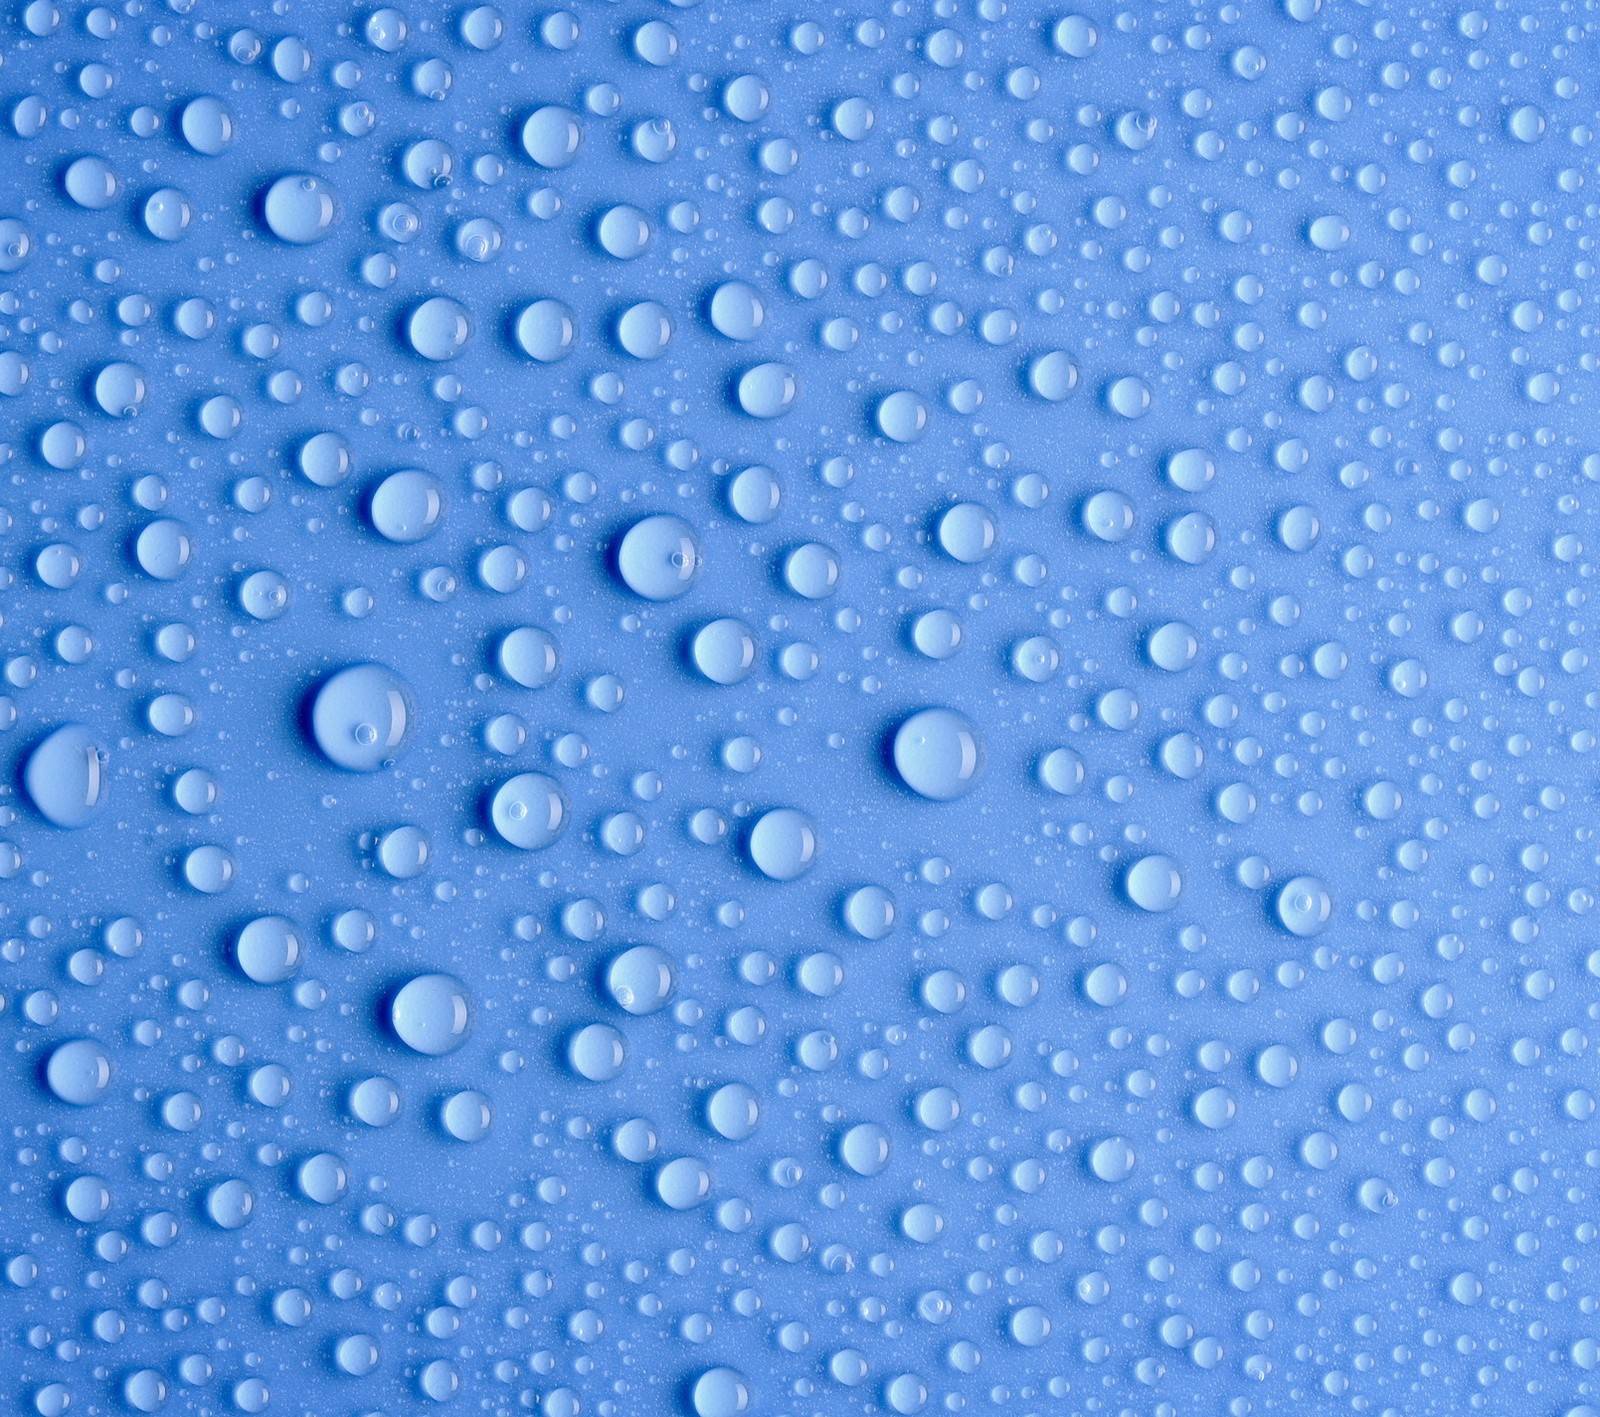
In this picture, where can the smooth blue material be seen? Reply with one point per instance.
(744, 708)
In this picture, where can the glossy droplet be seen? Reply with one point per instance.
(65, 776)
(431, 1014)
(439, 328)
(902, 416)
(1304, 906)
(552, 135)
(597, 1052)
(641, 979)
(721, 1392)
(736, 311)
(268, 950)
(724, 651)
(938, 754)
(767, 390)
(529, 811)
(782, 844)
(300, 209)
(968, 532)
(78, 1072)
(546, 330)
(1153, 883)
(362, 717)
(658, 557)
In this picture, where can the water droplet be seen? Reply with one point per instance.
(938, 754)
(431, 1014)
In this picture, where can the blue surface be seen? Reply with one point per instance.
(715, 711)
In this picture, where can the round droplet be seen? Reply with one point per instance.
(812, 570)
(1053, 376)
(1108, 516)
(439, 328)
(300, 209)
(466, 1115)
(659, 557)
(767, 390)
(164, 549)
(120, 389)
(230, 1204)
(529, 811)
(325, 459)
(724, 651)
(64, 776)
(207, 126)
(782, 844)
(529, 656)
(902, 416)
(552, 135)
(754, 494)
(1304, 906)
(362, 716)
(968, 532)
(733, 1111)
(269, 949)
(865, 1148)
(546, 331)
(684, 1183)
(1153, 883)
(1128, 397)
(623, 231)
(1112, 1160)
(1076, 36)
(870, 912)
(597, 1052)
(374, 1101)
(1173, 646)
(1062, 771)
(721, 1392)
(407, 506)
(91, 183)
(938, 754)
(937, 634)
(431, 1014)
(641, 979)
(1191, 470)
(736, 310)
(78, 1072)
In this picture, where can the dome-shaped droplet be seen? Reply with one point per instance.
(268, 950)
(552, 135)
(78, 1072)
(362, 716)
(641, 979)
(658, 557)
(938, 754)
(1153, 883)
(65, 776)
(782, 844)
(300, 209)
(736, 310)
(1303, 905)
(439, 328)
(431, 1014)
(529, 811)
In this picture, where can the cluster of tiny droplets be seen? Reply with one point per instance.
(738, 708)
